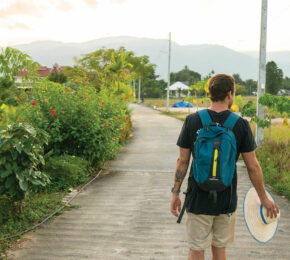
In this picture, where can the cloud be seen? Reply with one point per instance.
(16, 26)
(64, 6)
(20, 8)
(91, 3)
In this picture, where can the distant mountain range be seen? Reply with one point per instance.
(200, 58)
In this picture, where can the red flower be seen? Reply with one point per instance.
(27, 93)
(87, 98)
(103, 103)
(132, 94)
(123, 128)
(123, 136)
(85, 79)
(19, 118)
(68, 89)
(33, 103)
(20, 98)
(126, 97)
(105, 124)
(74, 79)
(52, 112)
(116, 119)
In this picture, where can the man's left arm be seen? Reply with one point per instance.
(180, 173)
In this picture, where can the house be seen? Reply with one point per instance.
(43, 72)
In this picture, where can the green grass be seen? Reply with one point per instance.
(279, 133)
(36, 208)
(274, 160)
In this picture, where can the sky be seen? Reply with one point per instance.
(231, 23)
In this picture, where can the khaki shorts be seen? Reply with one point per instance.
(204, 230)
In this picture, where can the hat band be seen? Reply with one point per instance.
(262, 215)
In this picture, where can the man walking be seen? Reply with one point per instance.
(211, 215)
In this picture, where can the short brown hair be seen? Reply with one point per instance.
(220, 85)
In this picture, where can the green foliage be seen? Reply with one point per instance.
(58, 77)
(286, 83)
(238, 79)
(7, 92)
(185, 75)
(249, 109)
(13, 61)
(278, 103)
(21, 155)
(66, 171)
(241, 89)
(251, 86)
(80, 122)
(274, 78)
(199, 88)
(276, 168)
(36, 207)
(152, 87)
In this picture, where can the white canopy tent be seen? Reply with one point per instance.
(178, 89)
(178, 85)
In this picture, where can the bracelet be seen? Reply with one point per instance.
(175, 191)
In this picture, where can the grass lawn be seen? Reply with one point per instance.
(36, 208)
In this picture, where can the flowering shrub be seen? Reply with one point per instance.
(80, 122)
(21, 150)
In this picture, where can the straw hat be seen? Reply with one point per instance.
(261, 227)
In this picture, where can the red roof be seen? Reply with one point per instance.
(43, 71)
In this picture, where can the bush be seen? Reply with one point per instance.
(66, 171)
(21, 150)
(276, 168)
(80, 122)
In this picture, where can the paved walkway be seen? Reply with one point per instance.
(125, 214)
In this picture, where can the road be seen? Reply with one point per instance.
(125, 214)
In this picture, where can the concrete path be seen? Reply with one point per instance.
(125, 214)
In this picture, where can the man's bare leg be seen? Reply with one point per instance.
(218, 253)
(196, 255)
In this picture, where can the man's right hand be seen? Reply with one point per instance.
(271, 207)
(175, 205)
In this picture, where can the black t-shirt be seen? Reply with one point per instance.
(199, 202)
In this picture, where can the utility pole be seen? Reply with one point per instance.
(139, 90)
(262, 71)
(134, 87)
(168, 84)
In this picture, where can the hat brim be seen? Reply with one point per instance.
(262, 233)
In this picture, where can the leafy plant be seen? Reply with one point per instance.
(66, 171)
(80, 122)
(249, 109)
(21, 155)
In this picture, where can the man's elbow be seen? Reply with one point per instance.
(182, 161)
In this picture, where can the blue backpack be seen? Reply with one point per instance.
(215, 154)
(214, 159)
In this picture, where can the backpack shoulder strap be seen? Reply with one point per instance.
(204, 117)
(231, 120)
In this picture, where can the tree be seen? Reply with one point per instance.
(13, 61)
(7, 92)
(286, 83)
(274, 78)
(240, 89)
(251, 86)
(57, 75)
(185, 75)
(153, 88)
(238, 79)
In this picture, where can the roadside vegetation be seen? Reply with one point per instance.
(57, 132)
